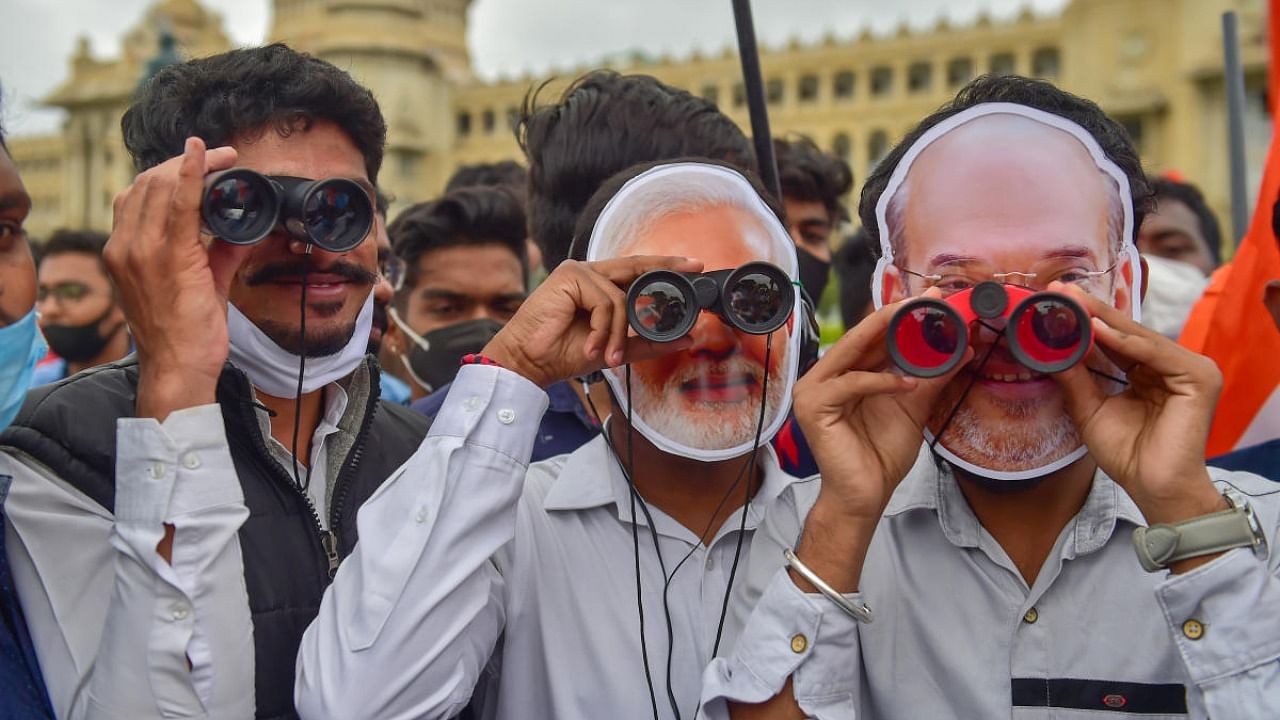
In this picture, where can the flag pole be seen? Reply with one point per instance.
(754, 86)
(1235, 125)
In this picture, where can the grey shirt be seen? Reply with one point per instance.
(959, 634)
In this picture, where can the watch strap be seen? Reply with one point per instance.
(1160, 545)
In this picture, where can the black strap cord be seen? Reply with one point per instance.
(305, 487)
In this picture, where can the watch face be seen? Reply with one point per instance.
(1240, 503)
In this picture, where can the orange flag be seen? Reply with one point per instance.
(1229, 323)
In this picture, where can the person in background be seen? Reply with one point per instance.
(392, 388)
(79, 313)
(21, 346)
(814, 184)
(853, 264)
(1182, 227)
(463, 278)
(512, 176)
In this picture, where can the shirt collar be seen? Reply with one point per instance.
(592, 477)
(931, 485)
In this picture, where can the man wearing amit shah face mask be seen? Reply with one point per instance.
(999, 540)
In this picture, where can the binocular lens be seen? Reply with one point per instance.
(334, 218)
(927, 338)
(756, 299)
(660, 308)
(240, 207)
(1050, 333)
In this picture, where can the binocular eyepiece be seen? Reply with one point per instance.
(242, 207)
(756, 298)
(1046, 332)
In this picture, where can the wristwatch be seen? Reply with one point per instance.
(1160, 545)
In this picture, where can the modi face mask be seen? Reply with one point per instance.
(993, 204)
(705, 402)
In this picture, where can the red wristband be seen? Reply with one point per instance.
(479, 359)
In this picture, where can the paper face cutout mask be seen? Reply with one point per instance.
(705, 402)
(1006, 192)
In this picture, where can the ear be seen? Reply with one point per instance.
(892, 288)
(1123, 299)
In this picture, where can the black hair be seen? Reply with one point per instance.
(854, 263)
(505, 174)
(1038, 94)
(810, 175)
(381, 201)
(63, 242)
(605, 123)
(596, 204)
(242, 93)
(471, 216)
(1189, 195)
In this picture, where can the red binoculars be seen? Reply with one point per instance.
(1047, 332)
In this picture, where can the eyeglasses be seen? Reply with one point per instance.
(392, 269)
(63, 292)
(1070, 271)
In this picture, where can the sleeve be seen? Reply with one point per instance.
(126, 634)
(787, 633)
(1224, 618)
(415, 612)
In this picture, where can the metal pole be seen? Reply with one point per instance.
(1235, 125)
(754, 85)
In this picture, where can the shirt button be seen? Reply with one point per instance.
(471, 403)
(799, 643)
(156, 470)
(506, 416)
(181, 611)
(1031, 616)
(1193, 629)
(421, 517)
(191, 461)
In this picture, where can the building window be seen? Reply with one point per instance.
(488, 121)
(877, 148)
(841, 146)
(773, 90)
(464, 124)
(739, 95)
(808, 90)
(513, 118)
(881, 81)
(920, 77)
(843, 84)
(711, 93)
(959, 71)
(1003, 64)
(1045, 62)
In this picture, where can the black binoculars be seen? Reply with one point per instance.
(756, 298)
(242, 207)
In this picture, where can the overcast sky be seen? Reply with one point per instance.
(37, 37)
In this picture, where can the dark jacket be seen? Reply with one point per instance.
(70, 427)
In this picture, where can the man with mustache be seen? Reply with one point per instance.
(518, 588)
(245, 500)
(1056, 547)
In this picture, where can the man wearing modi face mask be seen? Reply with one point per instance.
(593, 583)
(1003, 565)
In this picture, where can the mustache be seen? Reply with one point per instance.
(345, 270)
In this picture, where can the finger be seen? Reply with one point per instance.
(622, 271)
(599, 307)
(184, 218)
(851, 387)
(861, 348)
(1082, 394)
(615, 345)
(219, 158)
(919, 403)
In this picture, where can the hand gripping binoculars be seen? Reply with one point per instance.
(242, 207)
(756, 298)
(1046, 332)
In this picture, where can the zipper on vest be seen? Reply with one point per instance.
(330, 543)
(348, 469)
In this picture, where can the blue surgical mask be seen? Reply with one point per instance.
(21, 347)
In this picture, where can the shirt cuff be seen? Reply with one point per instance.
(798, 635)
(492, 407)
(1220, 615)
(150, 455)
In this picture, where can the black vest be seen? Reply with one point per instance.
(70, 426)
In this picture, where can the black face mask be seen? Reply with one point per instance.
(434, 358)
(813, 274)
(80, 343)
